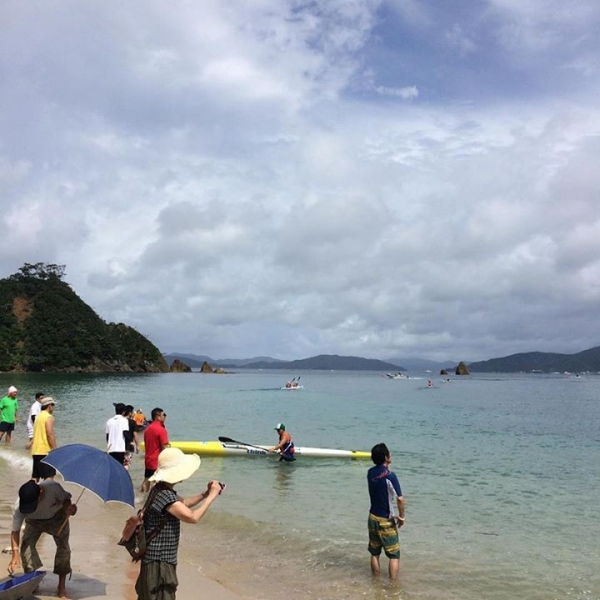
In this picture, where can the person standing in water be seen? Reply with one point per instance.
(34, 411)
(9, 407)
(285, 447)
(386, 514)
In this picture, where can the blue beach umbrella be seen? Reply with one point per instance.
(95, 471)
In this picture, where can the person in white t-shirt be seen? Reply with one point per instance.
(115, 427)
(34, 411)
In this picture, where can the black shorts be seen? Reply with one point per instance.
(4, 426)
(41, 470)
(120, 456)
(148, 473)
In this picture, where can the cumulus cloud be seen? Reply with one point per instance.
(258, 179)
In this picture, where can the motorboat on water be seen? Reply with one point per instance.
(294, 384)
(397, 375)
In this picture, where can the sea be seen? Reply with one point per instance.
(500, 474)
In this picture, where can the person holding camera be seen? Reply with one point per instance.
(162, 522)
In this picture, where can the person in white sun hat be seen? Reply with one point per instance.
(165, 510)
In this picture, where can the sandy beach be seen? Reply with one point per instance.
(101, 569)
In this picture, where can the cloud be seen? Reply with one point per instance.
(404, 93)
(242, 180)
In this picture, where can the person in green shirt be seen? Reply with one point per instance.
(9, 406)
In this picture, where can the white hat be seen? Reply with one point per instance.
(12, 390)
(174, 466)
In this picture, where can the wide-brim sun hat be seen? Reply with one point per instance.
(175, 466)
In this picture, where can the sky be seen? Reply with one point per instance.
(400, 178)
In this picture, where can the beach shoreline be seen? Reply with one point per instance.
(101, 569)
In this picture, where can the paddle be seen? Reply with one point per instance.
(227, 440)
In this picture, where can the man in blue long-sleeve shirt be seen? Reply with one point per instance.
(386, 514)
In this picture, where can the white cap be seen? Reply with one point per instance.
(12, 390)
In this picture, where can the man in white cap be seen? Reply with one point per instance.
(285, 447)
(9, 406)
(43, 440)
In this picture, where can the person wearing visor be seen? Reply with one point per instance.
(285, 447)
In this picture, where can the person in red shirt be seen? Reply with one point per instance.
(156, 439)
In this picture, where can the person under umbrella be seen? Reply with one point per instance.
(45, 508)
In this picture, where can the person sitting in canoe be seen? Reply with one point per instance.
(285, 447)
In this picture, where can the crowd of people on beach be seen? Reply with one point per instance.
(44, 506)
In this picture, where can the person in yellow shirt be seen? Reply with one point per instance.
(43, 440)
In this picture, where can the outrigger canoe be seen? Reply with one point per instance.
(239, 449)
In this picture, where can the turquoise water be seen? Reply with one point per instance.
(501, 476)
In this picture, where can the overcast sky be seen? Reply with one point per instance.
(291, 178)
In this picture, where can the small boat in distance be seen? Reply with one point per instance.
(294, 384)
(397, 375)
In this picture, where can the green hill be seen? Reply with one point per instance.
(544, 362)
(45, 326)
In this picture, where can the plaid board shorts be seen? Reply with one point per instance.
(383, 533)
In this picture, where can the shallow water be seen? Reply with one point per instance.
(500, 474)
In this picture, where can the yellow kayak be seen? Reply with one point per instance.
(217, 448)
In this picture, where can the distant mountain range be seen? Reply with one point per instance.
(422, 364)
(196, 360)
(542, 362)
(323, 362)
(329, 362)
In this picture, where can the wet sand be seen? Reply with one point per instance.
(101, 569)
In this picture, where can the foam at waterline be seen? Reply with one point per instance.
(16, 459)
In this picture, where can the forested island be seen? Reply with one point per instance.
(46, 326)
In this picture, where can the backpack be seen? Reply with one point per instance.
(133, 536)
